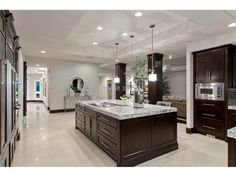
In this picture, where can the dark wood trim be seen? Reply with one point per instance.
(48, 108)
(190, 130)
(120, 87)
(40, 101)
(24, 89)
(155, 90)
(61, 110)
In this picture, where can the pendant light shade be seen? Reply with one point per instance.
(116, 79)
(152, 76)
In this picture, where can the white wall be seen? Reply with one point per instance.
(31, 89)
(211, 42)
(177, 83)
(60, 72)
(103, 87)
(45, 98)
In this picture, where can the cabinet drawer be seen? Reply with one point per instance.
(232, 114)
(79, 124)
(211, 114)
(209, 126)
(80, 108)
(106, 145)
(211, 105)
(107, 131)
(107, 120)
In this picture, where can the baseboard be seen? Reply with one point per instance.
(61, 110)
(180, 120)
(41, 101)
(190, 130)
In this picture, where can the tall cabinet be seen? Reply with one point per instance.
(9, 46)
(212, 66)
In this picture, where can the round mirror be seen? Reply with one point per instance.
(76, 84)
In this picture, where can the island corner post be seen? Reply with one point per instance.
(131, 141)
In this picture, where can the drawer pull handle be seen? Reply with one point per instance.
(205, 104)
(107, 120)
(105, 130)
(212, 128)
(105, 145)
(211, 115)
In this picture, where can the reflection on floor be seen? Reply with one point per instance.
(51, 140)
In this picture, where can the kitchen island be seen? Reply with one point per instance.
(128, 135)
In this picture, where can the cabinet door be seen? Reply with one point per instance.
(216, 60)
(202, 68)
(1, 24)
(93, 128)
(2, 47)
(3, 78)
(87, 125)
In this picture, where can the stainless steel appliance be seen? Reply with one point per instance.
(209, 91)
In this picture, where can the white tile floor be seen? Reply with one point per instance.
(51, 140)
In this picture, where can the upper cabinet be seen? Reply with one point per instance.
(2, 24)
(210, 64)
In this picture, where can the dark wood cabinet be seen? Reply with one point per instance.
(2, 47)
(231, 118)
(131, 141)
(209, 66)
(210, 118)
(231, 152)
(2, 22)
(9, 132)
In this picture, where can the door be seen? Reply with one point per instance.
(216, 60)
(3, 78)
(109, 89)
(202, 68)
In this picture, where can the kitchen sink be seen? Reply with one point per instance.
(105, 104)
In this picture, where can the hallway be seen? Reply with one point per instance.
(51, 140)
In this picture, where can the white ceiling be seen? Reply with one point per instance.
(70, 34)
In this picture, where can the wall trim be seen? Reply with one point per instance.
(41, 101)
(61, 110)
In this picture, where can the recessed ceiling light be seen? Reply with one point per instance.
(124, 34)
(99, 74)
(42, 51)
(138, 14)
(117, 60)
(170, 56)
(37, 64)
(99, 28)
(232, 25)
(95, 43)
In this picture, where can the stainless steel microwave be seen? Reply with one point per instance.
(209, 91)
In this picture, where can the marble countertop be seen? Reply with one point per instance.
(231, 133)
(126, 111)
(232, 107)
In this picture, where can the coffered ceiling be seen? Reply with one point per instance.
(70, 35)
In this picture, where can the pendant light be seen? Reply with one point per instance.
(131, 51)
(152, 77)
(116, 79)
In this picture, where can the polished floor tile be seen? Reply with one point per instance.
(51, 140)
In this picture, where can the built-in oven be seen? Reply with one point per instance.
(209, 91)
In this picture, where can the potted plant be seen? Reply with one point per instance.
(77, 91)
